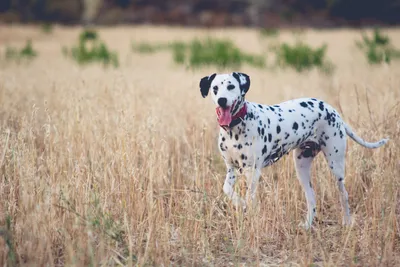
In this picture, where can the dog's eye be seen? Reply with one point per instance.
(215, 88)
(231, 87)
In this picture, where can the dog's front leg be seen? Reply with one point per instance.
(228, 188)
(253, 176)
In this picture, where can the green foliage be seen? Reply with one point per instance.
(146, 48)
(378, 48)
(91, 49)
(197, 53)
(301, 57)
(47, 28)
(88, 35)
(6, 234)
(269, 32)
(179, 52)
(221, 53)
(26, 53)
(103, 224)
(11, 257)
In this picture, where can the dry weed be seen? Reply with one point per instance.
(120, 167)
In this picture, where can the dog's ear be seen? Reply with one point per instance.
(243, 80)
(205, 84)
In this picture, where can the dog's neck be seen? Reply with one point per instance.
(237, 118)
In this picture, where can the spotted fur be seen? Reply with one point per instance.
(305, 126)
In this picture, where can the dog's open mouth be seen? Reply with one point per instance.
(224, 116)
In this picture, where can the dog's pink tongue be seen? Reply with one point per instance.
(224, 116)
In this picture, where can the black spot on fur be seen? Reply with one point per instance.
(278, 129)
(264, 150)
(221, 146)
(295, 126)
(236, 137)
(321, 106)
(276, 143)
(303, 104)
(269, 137)
(271, 108)
(215, 90)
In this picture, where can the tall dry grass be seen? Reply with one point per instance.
(120, 167)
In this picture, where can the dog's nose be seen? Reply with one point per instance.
(222, 102)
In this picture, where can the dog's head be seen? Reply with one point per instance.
(227, 92)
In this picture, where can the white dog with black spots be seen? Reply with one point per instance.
(253, 136)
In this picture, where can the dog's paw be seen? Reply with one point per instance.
(305, 225)
(240, 205)
(347, 221)
(244, 206)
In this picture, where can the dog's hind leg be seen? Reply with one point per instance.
(303, 157)
(334, 151)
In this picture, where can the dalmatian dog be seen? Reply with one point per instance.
(253, 136)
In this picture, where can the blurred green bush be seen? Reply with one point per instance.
(91, 49)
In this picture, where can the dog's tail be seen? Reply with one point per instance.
(362, 142)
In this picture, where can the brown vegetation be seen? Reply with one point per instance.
(120, 166)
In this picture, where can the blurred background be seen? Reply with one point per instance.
(209, 13)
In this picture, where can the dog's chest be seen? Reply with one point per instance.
(240, 147)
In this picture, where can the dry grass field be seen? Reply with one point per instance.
(109, 167)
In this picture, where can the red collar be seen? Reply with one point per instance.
(237, 118)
